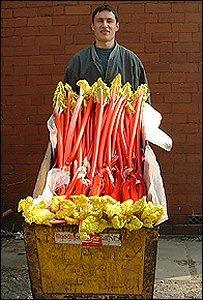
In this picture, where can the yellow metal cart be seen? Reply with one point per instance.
(61, 268)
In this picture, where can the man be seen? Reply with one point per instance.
(105, 58)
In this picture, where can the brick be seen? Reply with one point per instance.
(149, 57)
(134, 47)
(178, 97)
(6, 13)
(145, 37)
(78, 10)
(27, 31)
(41, 60)
(14, 139)
(158, 67)
(197, 37)
(51, 69)
(39, 3)
(193, 139)
(29, 159)
(193, 118)
(40, 21)
(7, 32)
(7, 51)
(24, 169)
(63, 59)
(187, 128)
(139, 17)
(48, 40)
(158, 7)
(178, 219)
(179, 138)
(46, 89)
(45, 110)
(132, 27)
(123, 37)
(28, 40)
(27, 50)
(11, 41)
(25, 12)
(52, 30)
(159, 87)
(80, 38)
(15, 60)
(40, 139)
(38, 79)
(23, 70)
(66, 20)
(130, 8)
(186, 47)
(184, 108)
(25, 90)
(7, 91)
(158, 47)
(172, 77)
(13, 4)
(185, 37)
(14, 80)
(153, 78)
(193, 77)
(58, 10)
(57, 77)
(184, 87)
(186, 27)
(173, 57)
(186, 67)
(178, 118)
(17, 22)
(185, 188)
(171, 17)
(189, 6)
(164, 37)
(66, 40)
(193, 18)
(45, 11)
(193, 158)
(77, 29)
(160, 27)
(7, 70)
(51, 49)
(123, 18)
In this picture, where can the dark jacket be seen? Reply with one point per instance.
(86, 65)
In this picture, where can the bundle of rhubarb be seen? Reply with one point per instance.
(99, 140)
(100, 149)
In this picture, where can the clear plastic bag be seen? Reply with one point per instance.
(52, 132)
(151, 120)
(55, 179)
(154, 182)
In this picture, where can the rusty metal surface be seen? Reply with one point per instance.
(70, 272)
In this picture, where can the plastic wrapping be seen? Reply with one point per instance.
(151, 120)
(153, 179)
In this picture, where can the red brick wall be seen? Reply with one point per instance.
(39, 37)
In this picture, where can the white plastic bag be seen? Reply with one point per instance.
(55, 179)
(151, 120)
(52, 133)
(153, 179)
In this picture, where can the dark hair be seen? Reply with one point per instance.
(104, 7)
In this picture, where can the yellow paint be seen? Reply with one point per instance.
(71, 269)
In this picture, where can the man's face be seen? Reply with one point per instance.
(105, 26)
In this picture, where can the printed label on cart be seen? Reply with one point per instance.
(66, 237)
(96, 241)
(113, 239)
